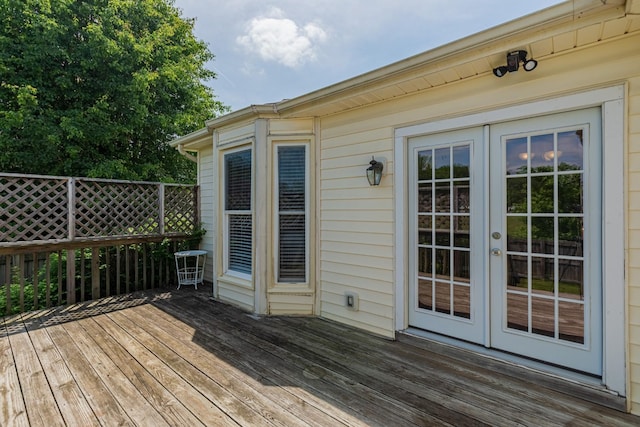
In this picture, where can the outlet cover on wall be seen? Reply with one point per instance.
(351, 301)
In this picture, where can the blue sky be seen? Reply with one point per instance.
(267, 51)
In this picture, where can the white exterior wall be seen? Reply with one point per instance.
(357, 225)
(206, 181)
(632, 177)
(227, 288)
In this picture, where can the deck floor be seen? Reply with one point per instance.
(178, 358)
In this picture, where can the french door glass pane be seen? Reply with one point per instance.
(544, 184)
(443, 218)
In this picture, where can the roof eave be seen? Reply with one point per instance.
(193, 141)
(251, 112)
(566, 11)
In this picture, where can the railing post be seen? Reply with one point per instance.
(196, 205)
(95, 273)
(71, 195)
(71, 276)
(161, 206)
(8, 263)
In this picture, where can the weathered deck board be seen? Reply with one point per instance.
(177, 358)
(39, 399)
(225, 341)
(214, 375)
(309, 374)
(12, 409)
(74, 409)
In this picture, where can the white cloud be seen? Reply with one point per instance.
(276, 38)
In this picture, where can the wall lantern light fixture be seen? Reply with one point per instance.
(513, 63)
(374, 172)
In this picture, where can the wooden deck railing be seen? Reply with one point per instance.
(64, 240)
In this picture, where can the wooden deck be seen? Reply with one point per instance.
(178, 358)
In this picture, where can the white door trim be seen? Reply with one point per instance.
(611, 100)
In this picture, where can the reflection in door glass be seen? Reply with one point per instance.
(570, 279)
(518, 311)
(443, 219)
(517, 233)
(425, 197)
(543, 276)
(542, 153)
(442, 158)
(570, 231)
(443, 297)
(443, 197)
(542, 322)
(571, 321)
(517, 195)
(544, 184)
(518, 271)
(424, 229)
(570, 150)
(570, 193)
(462, 297)
(542, 199)
(425, 165)
(542, 235)
(461, 162)
(425, 294)
(517, 156)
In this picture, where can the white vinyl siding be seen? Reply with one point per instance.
(237, 212)
(291, 215)
(206, 180)
(633, 240)
(356, 225)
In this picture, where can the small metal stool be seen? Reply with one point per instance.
(190, 267)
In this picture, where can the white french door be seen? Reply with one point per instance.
(446, 205)
(546, 203)
(505, 240)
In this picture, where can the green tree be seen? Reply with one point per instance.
(98, 87)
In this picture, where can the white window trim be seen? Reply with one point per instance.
(225, 215)
(611, 100)
(276, 213)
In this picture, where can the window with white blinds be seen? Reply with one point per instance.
(292, 213)
(238, 215)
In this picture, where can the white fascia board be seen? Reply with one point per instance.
(253, 111)
(193, 141)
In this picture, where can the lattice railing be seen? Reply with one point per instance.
(56, 209)
(33, 208)
(180, 209)
(116, 209)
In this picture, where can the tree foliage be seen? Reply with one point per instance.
(98, 87)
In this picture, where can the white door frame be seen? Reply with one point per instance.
(611, 100)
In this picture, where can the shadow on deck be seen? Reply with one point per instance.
(179, 358)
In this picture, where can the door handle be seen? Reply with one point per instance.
(496, 252)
